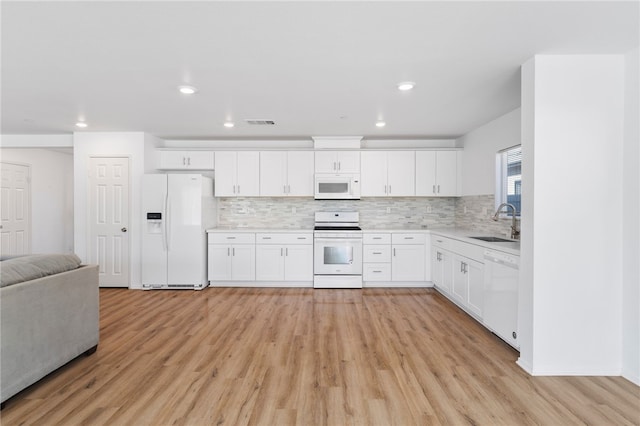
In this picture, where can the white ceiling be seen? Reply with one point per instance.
(316, 68)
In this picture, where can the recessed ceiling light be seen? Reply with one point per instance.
(229, 124)
(381, 124)
(187, 90)
(406, 85)
(81, 124)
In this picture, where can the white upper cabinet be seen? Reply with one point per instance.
(237, 174)
(186, 160)
(437, 173)
(337, 162)
(388, 174)
(286, 173)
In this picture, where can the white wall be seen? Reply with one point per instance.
(571, 253)
(480, 148)
(51, 196)
(631, 223)
(130, 145)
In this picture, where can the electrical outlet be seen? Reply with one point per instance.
(388, 209)
(429, 209)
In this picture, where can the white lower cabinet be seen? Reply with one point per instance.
(442, 269)
(231, 257)
(408, 257)
(394, 259)
(458, 272)
(284, 257)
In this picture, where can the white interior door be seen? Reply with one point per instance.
(109, 219)
(15, 209)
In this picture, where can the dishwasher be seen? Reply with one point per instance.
(501, 278)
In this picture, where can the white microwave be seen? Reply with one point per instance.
(330, 186)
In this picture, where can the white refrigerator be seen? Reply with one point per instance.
(177, 209)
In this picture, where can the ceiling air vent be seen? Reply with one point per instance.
(259, 122)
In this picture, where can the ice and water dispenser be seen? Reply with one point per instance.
(154, 223)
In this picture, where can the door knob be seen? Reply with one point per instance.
(124, 229)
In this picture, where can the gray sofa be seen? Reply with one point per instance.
(44, 324)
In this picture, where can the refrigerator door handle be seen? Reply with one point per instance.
(167, 224)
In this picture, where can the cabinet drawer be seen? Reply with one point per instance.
(231, 238)
(275, 238)
(376, 238)
(376, 253)
(376, 272)
(470, 251)
(408, 238)
(442, 242)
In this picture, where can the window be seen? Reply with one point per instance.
(509, 178)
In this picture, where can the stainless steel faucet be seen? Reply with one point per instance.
(515, 232)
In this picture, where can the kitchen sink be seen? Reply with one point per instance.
(493, 239)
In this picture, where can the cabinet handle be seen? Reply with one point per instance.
(376, 272)
(188, 161)
(389, 189)
(377, 252)
(184, 161)
(394, 251)
(231, 238)
(281, 251)
(288, 189)
(334, 166)
(233, 251)
(439, 241)
(408, 238)
(266, 238)
(228, 251)
(238, 189)
(338, 165)
(302, 238)
(234, 189)
(286, 251)
(377, 238)
(385, 189)
(434, 189)
(284, 189)
(438, 189)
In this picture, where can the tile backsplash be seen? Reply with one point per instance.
(474, 212)
(298, 213)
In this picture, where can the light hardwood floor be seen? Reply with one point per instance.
(310, 357)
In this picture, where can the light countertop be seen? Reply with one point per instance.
(226, 229)
(464, 234)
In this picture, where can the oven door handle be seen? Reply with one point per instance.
(338, 240)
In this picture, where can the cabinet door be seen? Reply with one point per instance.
(200, 160)
(326, 162)
(373, 174)
(426, 173)
(475, 280)
(225, 174)
(243, 262)
(269, 262)
(401, 174)
(447, 271)
(447, 173)
(173, 160)
(273, 173)
(219, 262)
(299, 173)
(460, 290)
(348, 161)
(248, 174)
(407, 262)
(298, 262)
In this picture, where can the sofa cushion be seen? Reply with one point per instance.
(27, 268)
